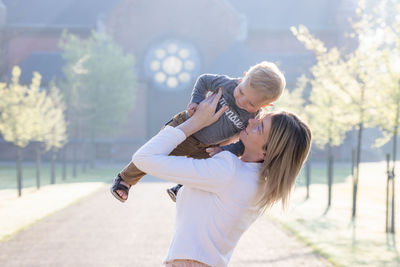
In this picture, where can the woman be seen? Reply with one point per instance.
(223, 195)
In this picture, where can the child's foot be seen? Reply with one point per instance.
(120, 189)
(173, 192)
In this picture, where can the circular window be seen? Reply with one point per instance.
(172, 64)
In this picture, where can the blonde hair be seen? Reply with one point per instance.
(266, 78)
(287, 148)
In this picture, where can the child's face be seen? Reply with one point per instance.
(248, 98)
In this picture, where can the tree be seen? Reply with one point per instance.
(327, 109)
(363, 66)
(56, 127)
(99, 85)
(387, 118)
(294, 100)
(354, 77)
(384, 32)
(48, 122)
(17, 123)
(36, 101)
(29, 114)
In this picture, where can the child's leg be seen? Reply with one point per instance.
(190, 147)
(131, 174)
(173, 192)
(128, 177)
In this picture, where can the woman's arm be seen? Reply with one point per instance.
(208, 175)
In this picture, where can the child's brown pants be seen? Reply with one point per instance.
(190, 147)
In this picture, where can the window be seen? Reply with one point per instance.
(172, 64)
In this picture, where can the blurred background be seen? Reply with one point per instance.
(169, 47)
(83, 84)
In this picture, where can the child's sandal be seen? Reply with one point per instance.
(116, 185)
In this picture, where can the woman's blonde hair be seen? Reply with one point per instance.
(286, 150)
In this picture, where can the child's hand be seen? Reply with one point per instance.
(191, 108)
(213, 150)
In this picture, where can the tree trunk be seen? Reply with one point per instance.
(38, 163)
(64, 163)
(19, 170)
(394, 149)
(92, 150)
(357, 169)
(74, 160)
(330, 174)
(308, 178)
(393, 213)
(353, 159)
(84, 156)
(52, 167)
(387, 228)
(75, 151)
(387, 193)
(393, 166)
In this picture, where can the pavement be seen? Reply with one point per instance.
(34, 205)
(97, 230)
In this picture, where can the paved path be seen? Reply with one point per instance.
(99, 231)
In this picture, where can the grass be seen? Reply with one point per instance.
(332, 232)
(8, 178)
(319, 173)
(102, 173)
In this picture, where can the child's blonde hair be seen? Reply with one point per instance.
(266, 78)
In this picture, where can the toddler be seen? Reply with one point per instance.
(243, 98)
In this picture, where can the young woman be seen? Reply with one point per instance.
(223, 195)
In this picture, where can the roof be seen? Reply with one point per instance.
(260, 14)
(48, 64)
(57, 14)
(277, 15)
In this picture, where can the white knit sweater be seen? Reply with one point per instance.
(217, 203)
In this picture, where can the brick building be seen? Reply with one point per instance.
(172, 41)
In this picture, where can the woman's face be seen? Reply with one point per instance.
(255, 135)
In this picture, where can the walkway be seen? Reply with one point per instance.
(99, 231)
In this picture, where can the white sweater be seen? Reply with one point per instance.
(217, 203)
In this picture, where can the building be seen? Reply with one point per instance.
(172, 41)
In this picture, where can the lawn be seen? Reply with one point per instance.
(344, 242)
(319, 173)
(102, 173)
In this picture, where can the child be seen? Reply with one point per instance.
(245, 97)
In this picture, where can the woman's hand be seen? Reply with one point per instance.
(204, 115)
(191, 108)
